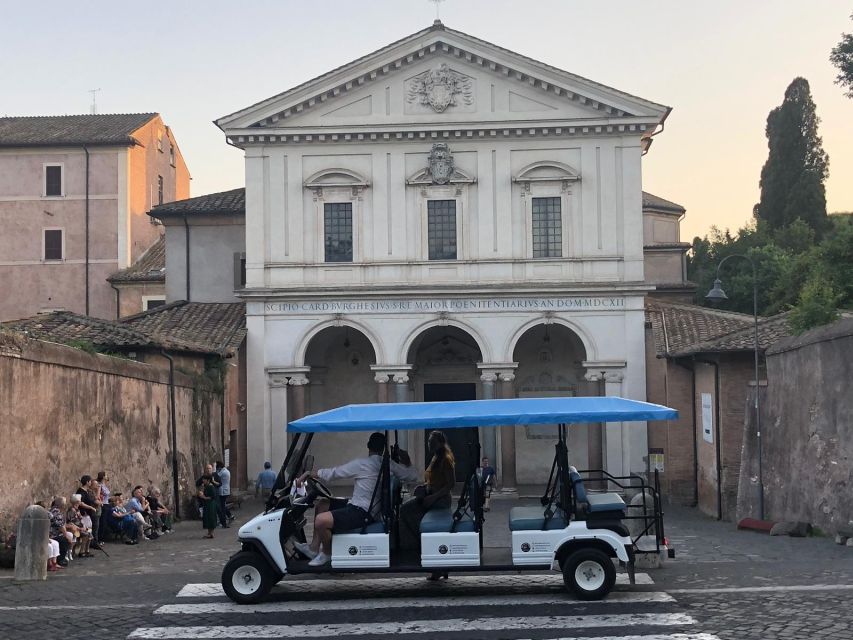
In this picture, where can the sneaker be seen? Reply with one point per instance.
(319, 560)
(147, 538)
(305, 549)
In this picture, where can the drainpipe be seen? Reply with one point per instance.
(118, 300)
(172, 420)
(86, 151)
(187, 238)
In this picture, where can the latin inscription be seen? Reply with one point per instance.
(446, 305)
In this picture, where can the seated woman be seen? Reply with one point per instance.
(83, 534)
(440, 476)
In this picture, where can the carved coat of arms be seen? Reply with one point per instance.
(440, 88)
(440, 163)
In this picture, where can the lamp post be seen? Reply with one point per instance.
(717, 295)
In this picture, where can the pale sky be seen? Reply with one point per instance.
(721, 66)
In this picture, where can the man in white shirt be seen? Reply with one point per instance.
(346, 515)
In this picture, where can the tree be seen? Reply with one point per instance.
(817, 306)
(842, 59)
(792, 178)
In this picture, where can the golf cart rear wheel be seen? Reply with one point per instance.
(247, 578)
(589, 574)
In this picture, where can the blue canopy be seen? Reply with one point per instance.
(480, 413)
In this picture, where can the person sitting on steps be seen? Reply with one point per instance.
(338, 514)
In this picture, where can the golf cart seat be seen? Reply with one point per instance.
(373, 527)
(533, 519)
(609, 504)
(441, 521)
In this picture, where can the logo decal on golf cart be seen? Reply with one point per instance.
(442, 549)
(353, 550)
(525, 547)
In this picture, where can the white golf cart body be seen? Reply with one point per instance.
(572, 531)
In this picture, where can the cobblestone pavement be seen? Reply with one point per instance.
(722, 584)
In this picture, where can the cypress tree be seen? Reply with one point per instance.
(792, 178)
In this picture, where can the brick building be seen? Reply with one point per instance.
(74, 191)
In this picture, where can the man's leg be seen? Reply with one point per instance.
(220, 511)
(323, 524)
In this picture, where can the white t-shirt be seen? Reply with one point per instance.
(365, 471)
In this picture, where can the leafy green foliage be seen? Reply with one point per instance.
(817, 306)
(794, 270)
(841, 58)
(792, 178)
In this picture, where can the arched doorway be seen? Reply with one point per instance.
(339, 359)
(550, 364)
(444, 367)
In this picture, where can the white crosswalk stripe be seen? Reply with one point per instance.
(523, 581)
(415, 626)
(421, 609)
(617, 597)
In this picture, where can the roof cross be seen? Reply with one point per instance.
(437, 4)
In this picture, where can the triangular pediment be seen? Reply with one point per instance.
(437, 76)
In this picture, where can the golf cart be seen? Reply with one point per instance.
(575, 529)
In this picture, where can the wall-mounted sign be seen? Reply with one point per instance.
(447, 305)
(707, 418)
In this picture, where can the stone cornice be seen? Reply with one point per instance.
(425, 132)
(450, 291)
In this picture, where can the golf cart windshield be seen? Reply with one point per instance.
(480, 413)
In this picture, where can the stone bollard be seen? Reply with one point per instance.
(31, 552)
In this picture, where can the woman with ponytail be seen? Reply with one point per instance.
(435, 493)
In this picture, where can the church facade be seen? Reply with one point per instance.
(446, 219)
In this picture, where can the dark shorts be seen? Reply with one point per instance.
(346, 516)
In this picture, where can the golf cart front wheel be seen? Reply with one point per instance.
(247, 578)
(589, 574)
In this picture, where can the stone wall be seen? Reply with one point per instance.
(65, 413)
(807, 429)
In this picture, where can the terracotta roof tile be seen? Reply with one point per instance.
(150, 267)
(204, 327)
(198, 327)
(651, 201)
(233, 202)
(100, 129)
(770, 331)
(678, 326)
(65, 327)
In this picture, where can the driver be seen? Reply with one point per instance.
(345, 515)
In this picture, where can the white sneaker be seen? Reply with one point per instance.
(319, 560)
(305, 549)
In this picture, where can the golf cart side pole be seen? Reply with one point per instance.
(282, 473)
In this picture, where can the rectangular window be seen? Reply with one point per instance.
(337, 231)
(53, 244)
(160, 141)
(547, 228)
(151, 302)
(172, 155)
(441, 229)
(159, 189)
(53, 180)
(239, 270)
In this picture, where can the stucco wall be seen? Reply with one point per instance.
(807, 432)
(65, 413)
(213, 242)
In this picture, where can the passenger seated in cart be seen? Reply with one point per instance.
(440, 476)
(340, 515)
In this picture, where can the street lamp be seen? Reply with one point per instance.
(715, 296)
